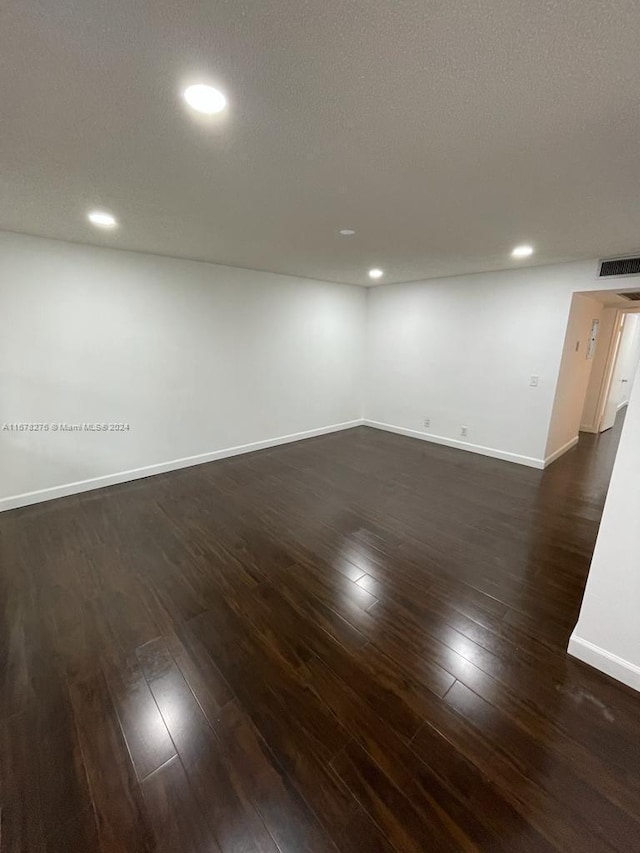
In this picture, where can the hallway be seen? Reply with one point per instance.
(356, 643)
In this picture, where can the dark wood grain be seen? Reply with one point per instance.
(144, 730)
(231, 814)
(117, 799)
(178, 821)
(353, 643)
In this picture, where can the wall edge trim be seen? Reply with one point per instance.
(494, 453)
(561, 450)
(611, 664)
(67, 489)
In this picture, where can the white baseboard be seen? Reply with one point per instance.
(62, 491)
(619, 668)
(558, 453)
(530, 461)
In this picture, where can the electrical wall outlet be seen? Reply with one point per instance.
(427, 423)
(464, 430)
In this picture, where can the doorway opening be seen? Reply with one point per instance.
(600, 360)
(620, 369)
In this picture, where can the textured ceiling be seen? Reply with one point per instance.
(443, 131)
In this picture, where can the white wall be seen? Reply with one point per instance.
(573, 379)
(196, 358)
(461, 350)
(608, 631)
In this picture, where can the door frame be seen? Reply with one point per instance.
(612, 357)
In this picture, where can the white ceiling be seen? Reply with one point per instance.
(444, 131)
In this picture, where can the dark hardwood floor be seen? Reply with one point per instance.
(352, 643)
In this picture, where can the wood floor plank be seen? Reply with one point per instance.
(318, 609)
(276, 675)
(199, 671)
(563, 830)
(148, 740)
(302, 756)
(407, 827)
(178, 822)
(21, 828)
(442, 808)
(290, 821)
(117, 800)
(560, 781)
(62, 781)
(398, 696)
(76, 835)
(232, 817)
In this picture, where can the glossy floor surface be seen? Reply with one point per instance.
(352, 643)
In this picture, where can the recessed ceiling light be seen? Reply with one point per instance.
(205, 99)
(102, 219)
(522, 252)
(347, 232)
(375, 273)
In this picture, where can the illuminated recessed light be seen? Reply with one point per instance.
(375, 273)
(102, 219)
(347, 232)
(205, 99)
(522, 252)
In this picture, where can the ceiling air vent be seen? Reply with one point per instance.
(620, 266)
(634, 297)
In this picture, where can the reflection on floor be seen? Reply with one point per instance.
(353, 643)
